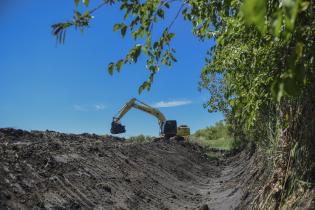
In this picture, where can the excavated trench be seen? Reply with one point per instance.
(50, 170)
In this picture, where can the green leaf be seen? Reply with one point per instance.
(172, 57)
(232, 102)
(127, 13)
(135, 34)
(278, 90)
(160, 13)
(117, 26)
(278, 23)
(123, 30)
(305, 5)
(299, 50)
(155, 44)
(184, 12)
(87, 14)
(292, 9)
(153, 68)
(86, 2)
(137, 52)
(119, 65)
(76, 2)
(171, 36)
(111, 68)
(254, 12)
(145, 85)
(77, 14)
(140, 89)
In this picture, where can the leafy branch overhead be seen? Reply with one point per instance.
(139, 19)
(263, 48)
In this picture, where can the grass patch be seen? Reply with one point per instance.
(141, 139)
(213, 155)
(216, 137)
(223, 143)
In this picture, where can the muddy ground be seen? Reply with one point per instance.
(50, 170)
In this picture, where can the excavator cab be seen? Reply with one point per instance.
(169, 128)
(117, 128)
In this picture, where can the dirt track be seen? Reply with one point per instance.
(49, 170)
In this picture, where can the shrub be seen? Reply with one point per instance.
(141, 139)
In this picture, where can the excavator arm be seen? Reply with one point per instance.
(134, 103)
(168, 128)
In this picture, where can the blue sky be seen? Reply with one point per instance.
(67, 88)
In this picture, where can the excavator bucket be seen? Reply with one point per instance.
(117, 128)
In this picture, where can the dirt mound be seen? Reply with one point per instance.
(50, 170)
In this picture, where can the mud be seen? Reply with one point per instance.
(50, 170)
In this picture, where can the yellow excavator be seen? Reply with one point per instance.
(168, 128)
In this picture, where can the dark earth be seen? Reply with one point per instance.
(50, 170)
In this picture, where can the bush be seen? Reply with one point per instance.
(217, 136)
(141, 139)
(219, 130)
